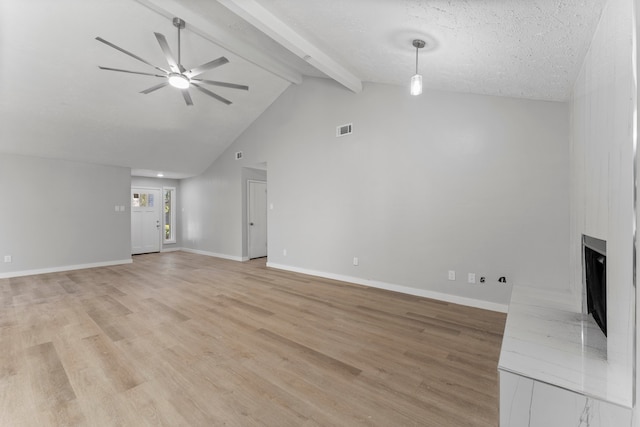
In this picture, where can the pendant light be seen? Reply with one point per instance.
(416, 80)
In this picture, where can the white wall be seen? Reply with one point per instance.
(602, 125)
(148, 182)
(426, 184)
(57, 214)
(636, 27)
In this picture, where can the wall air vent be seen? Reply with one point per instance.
(238, 155)
(344, 130)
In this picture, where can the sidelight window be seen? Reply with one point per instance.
(169, 214)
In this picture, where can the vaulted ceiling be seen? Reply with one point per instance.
(56, 102)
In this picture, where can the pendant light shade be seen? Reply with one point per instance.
(416, 80)
(416, 85)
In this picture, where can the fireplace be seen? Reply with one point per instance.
(594, 262)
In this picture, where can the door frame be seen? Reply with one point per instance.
(249, 182)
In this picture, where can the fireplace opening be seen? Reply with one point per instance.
(595, 279)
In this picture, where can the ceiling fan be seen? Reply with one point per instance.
(177, 75)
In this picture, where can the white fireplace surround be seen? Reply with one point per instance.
(545, 342)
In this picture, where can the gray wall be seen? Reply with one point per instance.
(211, 210)
(444, 181)
(56, 214)
(147, 182)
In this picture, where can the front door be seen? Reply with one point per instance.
(257, 216)
(146, 218)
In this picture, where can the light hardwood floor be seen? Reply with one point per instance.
(179, 339)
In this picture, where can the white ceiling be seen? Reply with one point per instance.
(55, 102)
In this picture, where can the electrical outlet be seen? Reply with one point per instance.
(284, 252)
(471, 278)
(452, 275)
(355, 260)
(7, 258)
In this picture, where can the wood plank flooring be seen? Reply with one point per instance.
(178, 339)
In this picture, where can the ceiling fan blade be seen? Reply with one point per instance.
(187, 97)
(128, 71)
(126, 52)
(206, 67)
(222, 84)
(156, 87)
(213, 95)
(167, 53)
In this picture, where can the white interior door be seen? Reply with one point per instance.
(257, 216)
(146, 220)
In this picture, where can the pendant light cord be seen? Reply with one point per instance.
(418, 44)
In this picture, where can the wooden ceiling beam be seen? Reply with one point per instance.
(222, 38)
(261, 18)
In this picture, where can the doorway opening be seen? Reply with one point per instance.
(254, 211)
(257, 219)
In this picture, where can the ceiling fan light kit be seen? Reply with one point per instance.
(416, 80)
(178, 76)
(179, 81)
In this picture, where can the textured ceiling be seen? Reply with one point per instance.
(525, 48)
(55, 102)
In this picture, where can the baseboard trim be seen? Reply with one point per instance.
(171, 249)
(455, 299)
(63, 268)
(213, 254)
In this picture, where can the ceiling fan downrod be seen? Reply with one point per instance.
(179, 24)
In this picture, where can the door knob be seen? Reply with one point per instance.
(250, 223)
